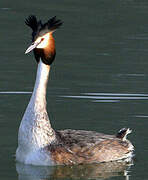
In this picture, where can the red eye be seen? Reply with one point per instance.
(42, 39)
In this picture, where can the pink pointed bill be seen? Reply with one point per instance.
(31, 47)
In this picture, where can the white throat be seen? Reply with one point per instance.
(35, 131)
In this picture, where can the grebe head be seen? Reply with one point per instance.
(43, 44)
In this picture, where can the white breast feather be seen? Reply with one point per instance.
(35, 132)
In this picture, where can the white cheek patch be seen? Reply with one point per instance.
(43, 41)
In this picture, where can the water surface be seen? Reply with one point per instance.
(98, 81)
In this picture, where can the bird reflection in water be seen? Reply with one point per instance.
(87, 171)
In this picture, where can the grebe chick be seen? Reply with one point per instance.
(38, 142)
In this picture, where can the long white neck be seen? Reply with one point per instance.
(35, 129)
(39, 92)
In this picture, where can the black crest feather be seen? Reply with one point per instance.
(53, 23)
(32, 22)
(40, 28)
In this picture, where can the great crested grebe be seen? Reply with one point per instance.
(38, 143)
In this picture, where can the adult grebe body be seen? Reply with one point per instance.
(38, 143)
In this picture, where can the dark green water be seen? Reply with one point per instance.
(101, 48)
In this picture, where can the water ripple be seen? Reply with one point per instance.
(5, 9)
(116, 94)
(15, 92)
(141, 116)
(109, 97)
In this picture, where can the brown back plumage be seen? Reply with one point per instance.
(78, 146)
